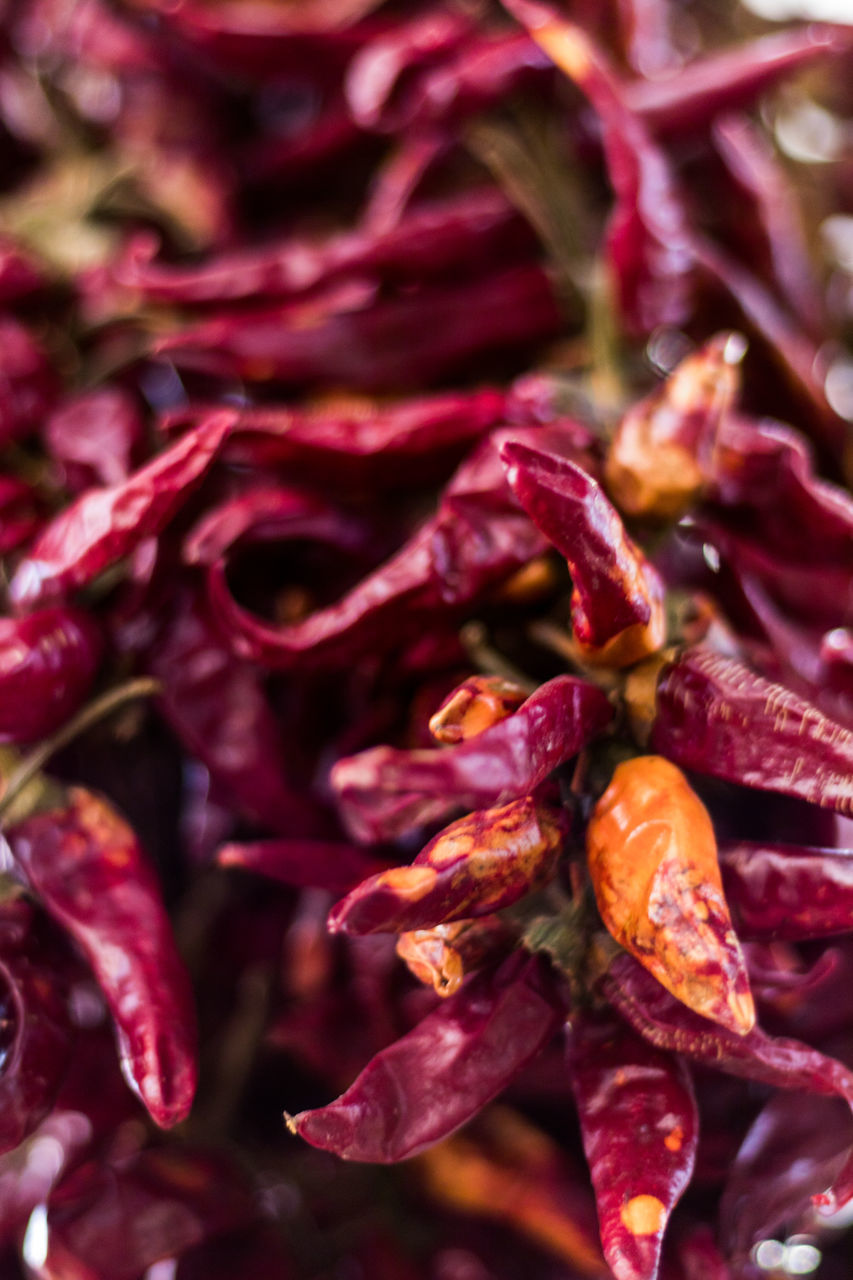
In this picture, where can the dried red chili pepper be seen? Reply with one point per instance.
(478, 865)
(86, 866)
(308, 864)
(372, 345)
(640, 1128)
(36, 1032)
(793, 1151)
(457, 235)
(104, 525)
(715, 716)
(617, 597)
(218, 707)
(788, 892)
(477, 539)
(647, 242)
(686, 101)
(659, 460)
(48, 662)
(653, 863)
(751, 161)
(668, 1024)
(424, 1086)
(353, 439)
(383, 792)
(477, 704)
(126, 1214)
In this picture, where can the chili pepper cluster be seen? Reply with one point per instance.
(426, 662)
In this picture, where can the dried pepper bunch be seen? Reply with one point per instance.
(426, 662)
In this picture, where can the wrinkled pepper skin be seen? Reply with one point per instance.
(104, 525)
(640, 1128)
(787, 892)
(48, 662)
(385, 792)
(425, 1086)
(668, 1024)
(653, 863)
(477, 865)
(36, 1031)
(714, 715)
(86, 866)
(617, 600)
(648, 244)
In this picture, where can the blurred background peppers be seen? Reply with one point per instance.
(426, 651)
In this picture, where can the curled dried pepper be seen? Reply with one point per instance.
(87, 868)
(424, 1086)
(714, 715)
(384, 792)
(640, 1128)
(659, 460)
(477, 865)
(653, 863)
(477, 704)
(617, 597)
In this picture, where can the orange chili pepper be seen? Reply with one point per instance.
(653, 863)
(475, 705)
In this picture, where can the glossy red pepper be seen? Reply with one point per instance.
(425, 1086)
(48, 662)
(86, 866)
(640, 1128)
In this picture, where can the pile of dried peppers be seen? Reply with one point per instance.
(426, 662)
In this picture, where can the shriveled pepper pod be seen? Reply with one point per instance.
(659, 460)
(640, 1128)
(477, 704)
(653, 864)
(713, 715)
(480, 864)
(438, 1076)
(617, 600)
